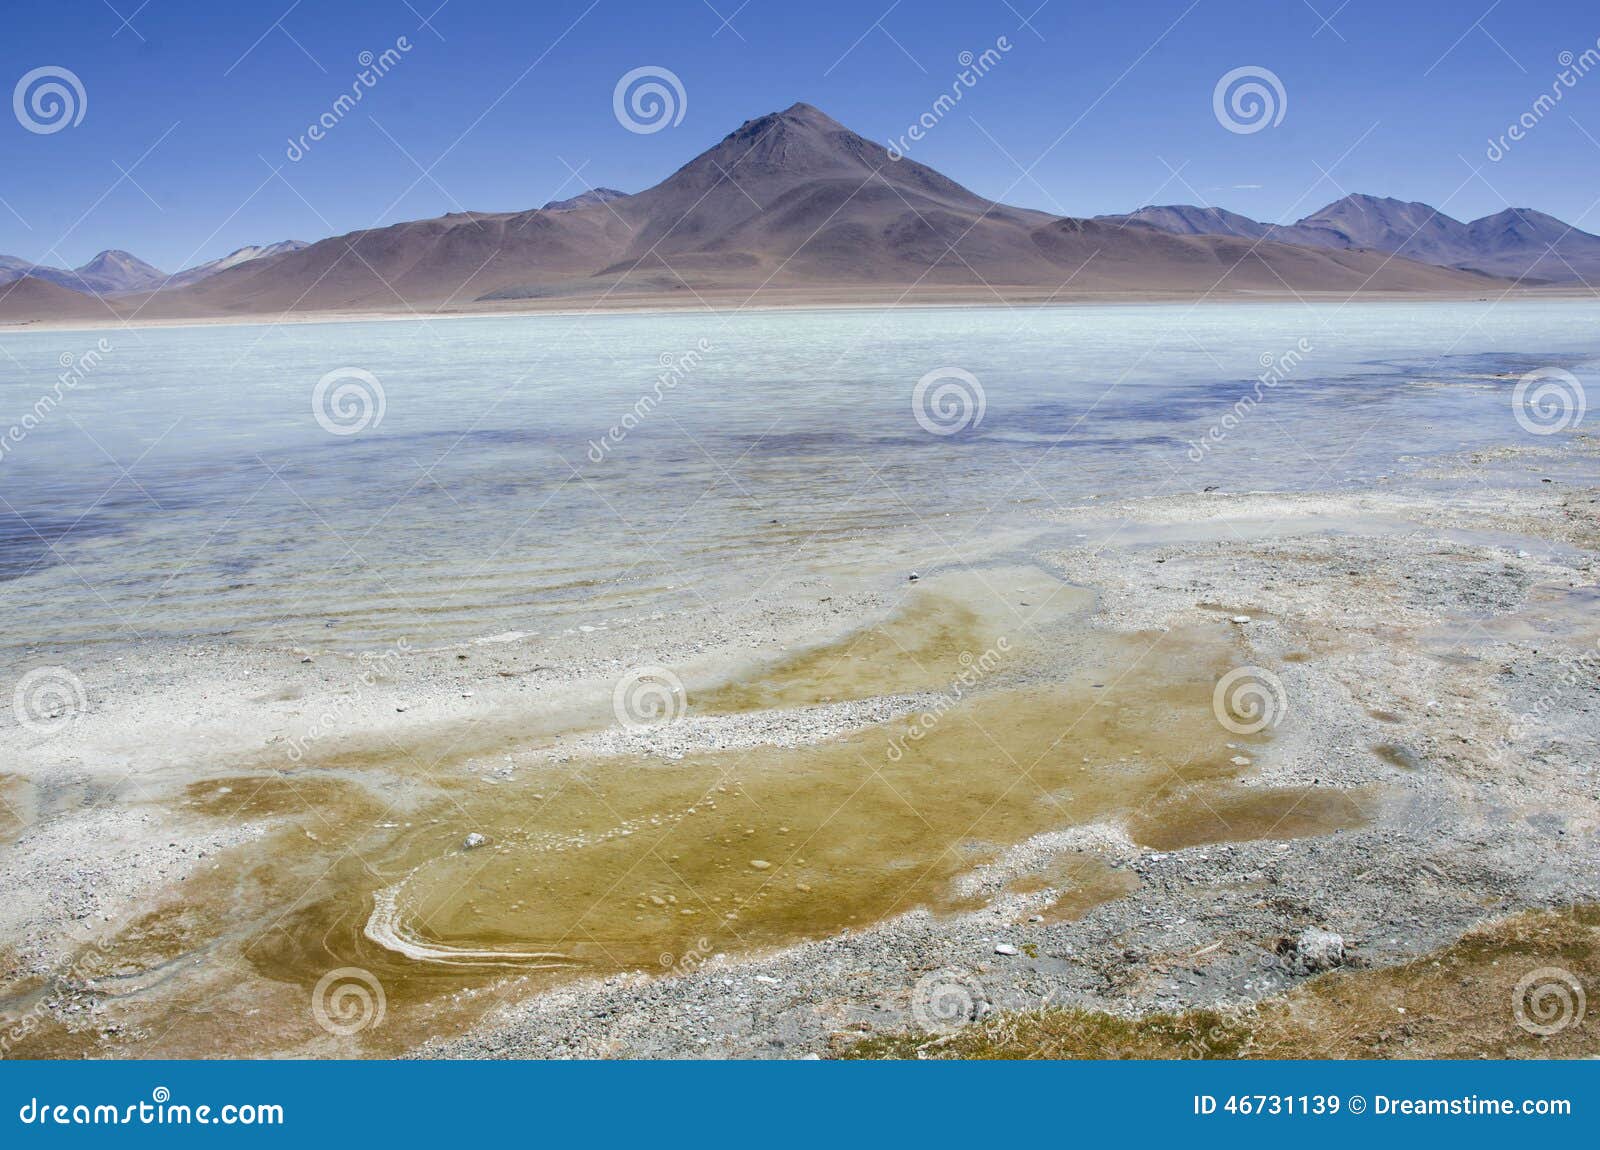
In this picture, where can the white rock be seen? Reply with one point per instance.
(1004, 948)
(1241, 618)
(473, 841)
(1317, 949)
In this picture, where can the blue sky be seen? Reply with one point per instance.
(190, 106)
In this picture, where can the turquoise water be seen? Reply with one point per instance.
(184, 487)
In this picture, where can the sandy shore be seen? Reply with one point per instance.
(761, 299)
(1435, 644)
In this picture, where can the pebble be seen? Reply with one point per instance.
(1241, 618)
(760, 864)
(473, 841)
(1004, 948)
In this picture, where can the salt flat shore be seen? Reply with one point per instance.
(1434, 640)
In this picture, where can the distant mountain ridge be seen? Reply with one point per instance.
(233, 259)
(793, 201)
(109, 272)
(1517, 243)
(114, 272)
(584, 199)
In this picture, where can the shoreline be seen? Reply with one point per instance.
(1367, 604)
(804, 301)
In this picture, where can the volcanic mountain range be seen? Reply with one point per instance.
(793, 204)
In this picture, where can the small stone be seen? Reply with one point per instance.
(1241, 618)
(914, 577)
(1317, 949)
(1005, 948)
(1239, 761)
(760, 864)
(1036, 918)
(473, 841)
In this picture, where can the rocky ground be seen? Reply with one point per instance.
(1434, 642)
(1436, 645)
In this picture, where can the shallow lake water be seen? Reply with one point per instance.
(520, 474)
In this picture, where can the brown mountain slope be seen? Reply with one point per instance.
(1517, 244)
(32, 300)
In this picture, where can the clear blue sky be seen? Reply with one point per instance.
(1389, 97)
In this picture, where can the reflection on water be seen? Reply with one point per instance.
(186, 487)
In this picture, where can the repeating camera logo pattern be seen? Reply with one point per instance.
(947, 999)
(948, 401)
(48, 99)
(348, 1000)
(1248, 700)
(648, 697)
(1548, 1001)
(649, 99)
(348, 400)
(1248, 99)
(47, 699)
(1549, 400)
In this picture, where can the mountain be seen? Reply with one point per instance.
(798, 207)
(108, 273)
(120, 273)
(1522, 242)
(789, 203)
(233, 259)
(1516, 244)
(584, 199)
(1182, 220)
(28, 299)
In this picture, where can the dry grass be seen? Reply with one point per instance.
(1455, 1003)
